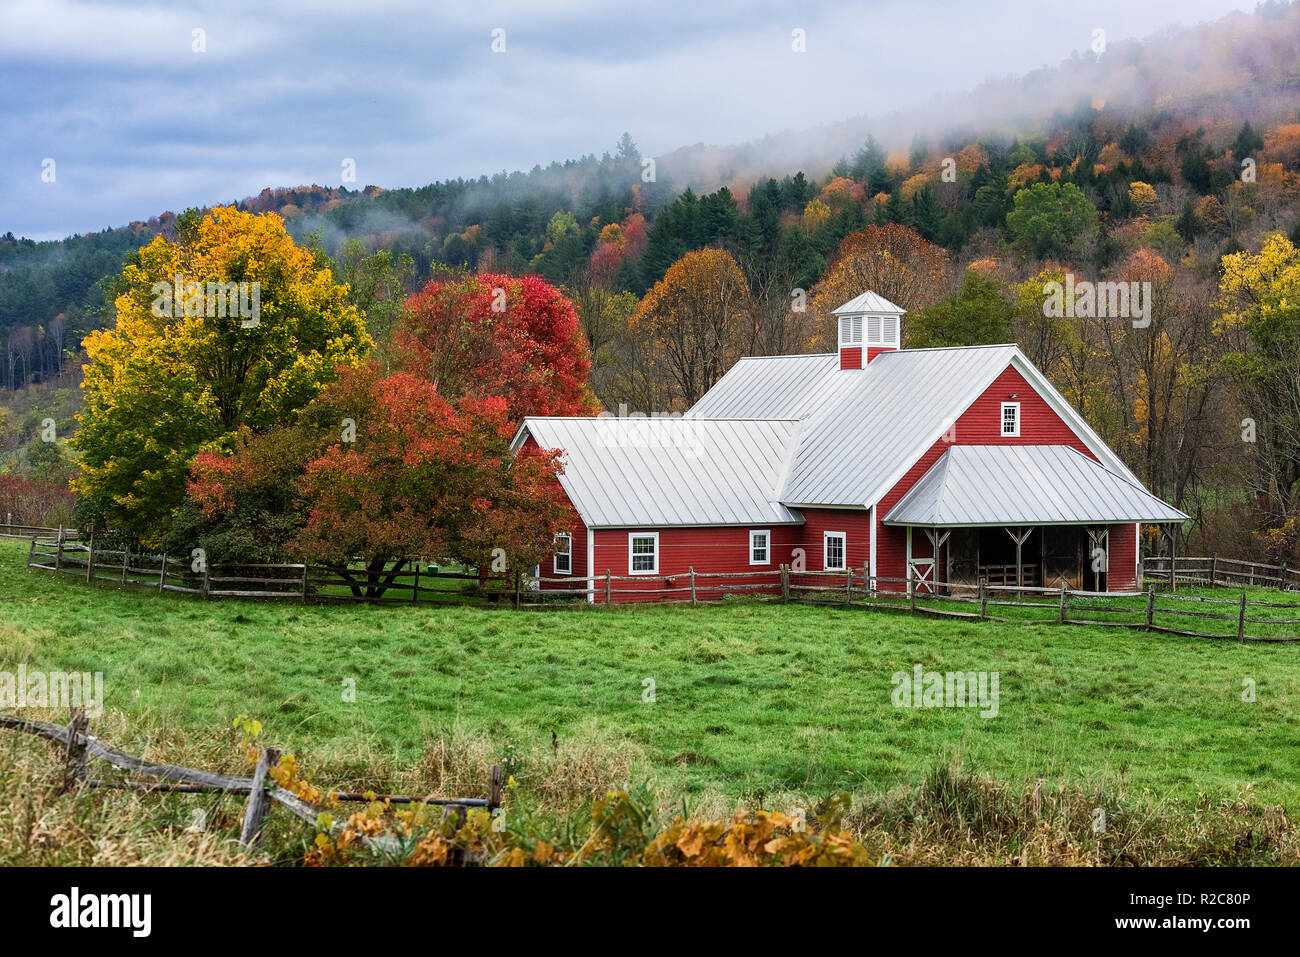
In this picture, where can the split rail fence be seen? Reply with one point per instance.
(80, 746)
(1150, 610)
(1216, 571)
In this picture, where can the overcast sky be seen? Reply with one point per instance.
(138, 122)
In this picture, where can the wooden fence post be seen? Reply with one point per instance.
(785, 584)
(304, 583)
(90, 555)
(868, 587)
(126, 561)
(415, 592)
(162, 578)
(911, 590)
(1064, 595)
(1214, 569)
(984, 598)
(258, 802)
(609, 579)
(496, 781)
(848, 586)
(31, 550)
(1241, 618)
(691, 569)
(77, 760)
(516, 591)
(207, 571)
(1151, 606)
(58, 555)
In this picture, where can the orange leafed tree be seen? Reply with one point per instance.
(697, 319)
(891, 260)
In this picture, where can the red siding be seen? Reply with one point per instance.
(851, 357)
(1121, 558)
(981, 424)
(877, 350)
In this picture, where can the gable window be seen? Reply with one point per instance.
(833, 551)
(563, 554)
(1010, 419)
(851, 330)
(759, 550)
(643, 553)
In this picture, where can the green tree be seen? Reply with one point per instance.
(1048, 217)
(978, 314)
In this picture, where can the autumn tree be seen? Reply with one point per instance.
(416, 475)
(892, 261)
(1261, 321)
(231, 325)
(696, 318)
(518, 338)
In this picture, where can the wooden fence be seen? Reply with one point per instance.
(12, 530)
(1149, 610)
(1213, 571)
(80, 746)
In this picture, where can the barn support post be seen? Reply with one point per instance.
(1019, 536)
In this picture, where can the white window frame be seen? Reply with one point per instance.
(567, 553)
(631, 569)
(767, 546)
(1002, 420)
(826, 550)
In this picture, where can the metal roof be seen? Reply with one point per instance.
(869, 302)
(860, 444)
(1025, 485)
(769, 387)
(639, 472)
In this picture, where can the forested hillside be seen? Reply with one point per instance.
(1169, 161)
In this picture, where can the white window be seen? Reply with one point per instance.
(850, 330)
(563, 554)
(833, 551)
(643, 553)
(759, 547)
(889, 334)
(873, 330)
(1011, 419)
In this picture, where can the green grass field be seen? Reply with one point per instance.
(749, 698)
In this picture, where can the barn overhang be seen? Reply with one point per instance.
(1024, 485)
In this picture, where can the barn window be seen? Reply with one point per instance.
(851, 330)
(758, 547)
(1011, 419)
(643, 553)
(833, 551)
(563, 554)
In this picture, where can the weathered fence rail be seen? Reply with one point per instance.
(80, 746)
(1213, 571)
(15, 530)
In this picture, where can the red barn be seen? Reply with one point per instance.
(939, 465)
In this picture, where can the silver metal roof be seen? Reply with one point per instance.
(861, 442)
(768, 387)
(869, 302)
(635, 472)
(1025, 485)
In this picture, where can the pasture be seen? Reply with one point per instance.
(749, 698)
